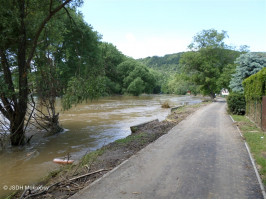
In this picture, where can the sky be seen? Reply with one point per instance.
(142, 28)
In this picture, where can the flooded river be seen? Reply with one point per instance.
(88, 126)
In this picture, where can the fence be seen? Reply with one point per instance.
(256, 111)
(263, 116)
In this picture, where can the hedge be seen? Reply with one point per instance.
(255, 86)
(236, 103)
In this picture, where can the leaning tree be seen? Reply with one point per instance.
(22, 23)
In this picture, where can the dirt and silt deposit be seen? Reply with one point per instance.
(69, 179)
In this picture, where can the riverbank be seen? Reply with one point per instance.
(69, 179)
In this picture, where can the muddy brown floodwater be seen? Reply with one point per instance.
(88, 126)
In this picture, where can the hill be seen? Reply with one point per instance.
(167, 62)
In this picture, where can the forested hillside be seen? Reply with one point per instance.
(167, 62)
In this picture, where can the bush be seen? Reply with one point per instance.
(255, 86)
(236, 103)
(136, 87)
(165, 105)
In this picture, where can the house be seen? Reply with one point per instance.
(224, 92)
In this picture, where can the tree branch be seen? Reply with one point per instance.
(4, 112)
(57, 183)
(50, 8)
(7, 105)
(7, 75)
(37, 35)
(71, 19)
(33, 108)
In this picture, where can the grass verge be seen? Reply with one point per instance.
(256, 140)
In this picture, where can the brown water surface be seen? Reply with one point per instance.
(88, 126)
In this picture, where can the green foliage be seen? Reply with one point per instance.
(111, 58)
(247, 64)
(112, 87)
(4, 88)
(135, 78)
(225, 77)
(180, 84)
(91, 157)
(209, 38)
(206, 65)
(166, 63)
(136, 87)
(163, 68)
(78, 52)
(80, 89)
(70, 59)
(160, 79)
(125, 68)
(132, 138)
(255, 86)
(236, 103)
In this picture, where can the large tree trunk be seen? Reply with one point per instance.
(212, 95)
(17, 122)
(17, 136)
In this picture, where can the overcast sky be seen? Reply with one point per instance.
(141, 28)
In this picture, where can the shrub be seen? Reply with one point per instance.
(136, 87)
(165, 105)
(236, 103)
(255, 86)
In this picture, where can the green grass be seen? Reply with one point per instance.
(10, 196)
(92, 156)
(186, 107)
(256, 140)
(240, 118)
(131, 138)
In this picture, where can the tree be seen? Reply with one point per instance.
(129, 71)
(22, 23)
(180, 84)
(206, 61)
(46, 85)
(209, 38)
(68, 55)
(125, 68)
(136, 87)
(111, 58)
(247, 64)
(78, 60)
(160, 79)
(226, 75)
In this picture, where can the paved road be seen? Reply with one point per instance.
(202, 157)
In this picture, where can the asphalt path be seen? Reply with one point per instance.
(202, 157)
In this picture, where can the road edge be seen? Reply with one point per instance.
(252, 161)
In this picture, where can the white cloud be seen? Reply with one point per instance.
(130, 37)
(136, 47)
